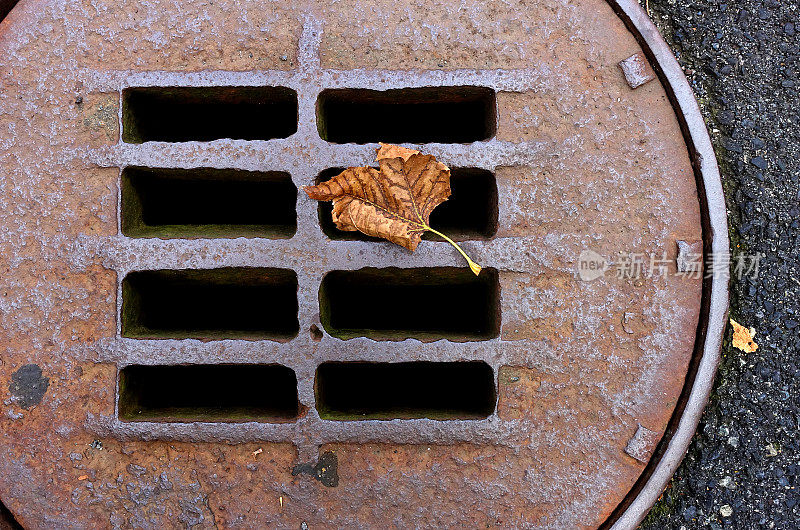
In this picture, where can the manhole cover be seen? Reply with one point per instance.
(187, 340)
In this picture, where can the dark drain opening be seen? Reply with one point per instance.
(171, 203)
(218, 393)
(384, 391)
(421, 115)
(182, 114)
(425, 303)
(210, 304)
(469, 214)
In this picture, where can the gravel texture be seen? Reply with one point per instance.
(742, 59)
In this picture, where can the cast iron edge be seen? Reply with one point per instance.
(714, 309)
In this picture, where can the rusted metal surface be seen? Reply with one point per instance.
(642, 445)
(582, 162)
(5, 7)
(715, 246)
(637, 71)
(7, 521)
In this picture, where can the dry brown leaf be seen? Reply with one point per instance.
(394, 202)
(396, 151)
(743, 338)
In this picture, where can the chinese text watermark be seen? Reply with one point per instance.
(637, 265)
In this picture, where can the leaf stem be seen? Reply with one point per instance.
(474, 267)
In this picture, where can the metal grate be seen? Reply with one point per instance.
(235, 304)
(469, 213)
(212, 304)
(386, 391)
(425, 115)
(266, 393)
(207, 203)
(422, 303)
(258, 303)
(183, 114)
(321, 258)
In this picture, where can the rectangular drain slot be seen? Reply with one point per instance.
(425, 303)
(183, 114)
(409, 390)
(469, 214)
(211, 304)
(207, 203)
(208, 393)
(441, 114)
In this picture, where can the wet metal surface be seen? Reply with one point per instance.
(636, 70)
(588, 373)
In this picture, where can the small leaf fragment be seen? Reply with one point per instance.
(395, 151)
(743, 337)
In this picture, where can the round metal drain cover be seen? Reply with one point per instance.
(187, 340)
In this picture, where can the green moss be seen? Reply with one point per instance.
(211, 231)
(431, 414)
(665, 506)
